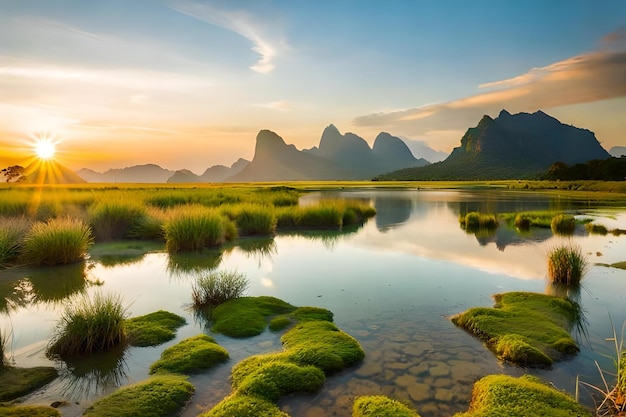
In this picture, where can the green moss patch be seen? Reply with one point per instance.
(503, 395)
(15, 382)
(190, 355)
(28, 411)
(245, 406)
(313, 347)
(380, 406)
(158, 396)
(322, 344)
(154, 328)
(247, 316)
(527, 329)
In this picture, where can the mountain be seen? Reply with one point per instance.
(50, 172)
(508, 147)
(338, 157)
(216, 173)
(149, 173)
(421, 149)
(274, 160)
(618, 151)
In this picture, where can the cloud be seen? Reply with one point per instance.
(242, 23)
(281, 105)
(581, 79)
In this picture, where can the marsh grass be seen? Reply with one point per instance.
(475, 221)
(112, 219)
(215, 288)
(57, 241)
(4, 362)
(596, 229)
(563, 224)
(12, 232)
(612, 393)
(567, 264)
(254, 219)
(89, 325)
(192, 228)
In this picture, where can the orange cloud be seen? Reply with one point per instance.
(581, 79)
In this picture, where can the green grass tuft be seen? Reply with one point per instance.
(254, 219)
(89, 325)
(596, 229)
(503, 395)
(563, 224)
(57, 241)
(191, 355)
(12, 232)
(567, 264)
(214, 288)
(380, 406)
(158, 396)
(113, 219)
(192, 228)
(527, 329)
(153, 329)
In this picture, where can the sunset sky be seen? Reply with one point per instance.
(189, 83)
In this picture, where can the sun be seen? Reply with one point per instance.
(45, 148)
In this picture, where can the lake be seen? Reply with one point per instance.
(392, 283)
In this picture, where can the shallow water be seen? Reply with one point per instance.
(391, 283)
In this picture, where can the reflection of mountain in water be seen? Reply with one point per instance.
(391, 212)
(506, 235)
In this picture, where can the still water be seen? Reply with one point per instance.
(392, 283)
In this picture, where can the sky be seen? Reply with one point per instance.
(189, 83)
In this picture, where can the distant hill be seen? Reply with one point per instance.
(216, 173)
(618, 151)
(421, 150)
(338, 157)
(508, 147)
(50, 172)
(148, 173)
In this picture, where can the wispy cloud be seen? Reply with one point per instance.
(280, 105)
(242, 23)
(584, 78)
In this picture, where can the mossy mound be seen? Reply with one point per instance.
(528, 329)
(321, 344)
(190, 355)
(313, 347)
(15, 382)
(153, 329)
(245, 406)
(526, 396)
(28, 411)
(275, 378)
(249, 316)
(158, 396)
(380, 406)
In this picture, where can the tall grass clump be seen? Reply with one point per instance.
(215, 288)
(89, 325)
(3, 358)
(57, 241)
(476, 220)
(566, 264)
(254, 219)
(324, 215)
(193, 228)
(112, 219)
(563, 224)
(12, 231)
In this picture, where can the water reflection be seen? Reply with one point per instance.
(184, 264)
(45, 285)
(112, 260)
(263, 248)
(328, 238)
(94, 375)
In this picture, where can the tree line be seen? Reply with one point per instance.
(611, 169)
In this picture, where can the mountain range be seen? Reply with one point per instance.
(337, 157)
(510, 146)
